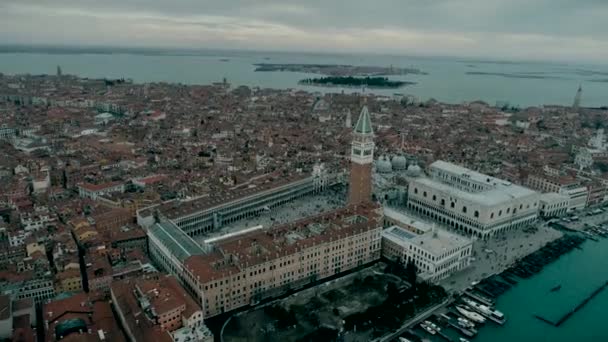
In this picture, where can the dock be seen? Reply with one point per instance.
(480, 299)
(581, 305)
(464, 331)
(567, 316)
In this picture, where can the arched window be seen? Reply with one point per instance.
(434, 198)
(415, 190)
(442, 201)
(508, 210)
(464, 209)
(500, 213)
(476, 213)
(492, 215)
(452, 204)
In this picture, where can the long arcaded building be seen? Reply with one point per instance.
(243, 269)
(472, 203)
(210, 213)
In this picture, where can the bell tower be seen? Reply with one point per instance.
(362, 158)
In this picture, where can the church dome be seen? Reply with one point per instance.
(383, 165)
(414, 170)
(399, 163)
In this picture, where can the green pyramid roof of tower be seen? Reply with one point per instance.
(364, 124)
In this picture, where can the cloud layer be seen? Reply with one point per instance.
(528, 29)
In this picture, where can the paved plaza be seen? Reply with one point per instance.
(500, 253)
(298, 209)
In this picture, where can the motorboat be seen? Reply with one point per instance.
(428, 328)
(433, 325)
(473, 316)
(494, 315)
(465, 323)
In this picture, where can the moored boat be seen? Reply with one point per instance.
(473, 316)
(494, 315)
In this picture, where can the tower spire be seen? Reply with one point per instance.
(362, 157)
(577, 98)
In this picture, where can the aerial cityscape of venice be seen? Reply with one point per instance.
(291, 171)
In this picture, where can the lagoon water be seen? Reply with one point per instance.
(449, 79)
(579, 272)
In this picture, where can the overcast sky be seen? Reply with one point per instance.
(574, 30)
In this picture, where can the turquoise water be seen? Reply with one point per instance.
(579, 273)
(447, 80)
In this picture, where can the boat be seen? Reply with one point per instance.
(556, 288)
(465, 329)
(462, 339)
(465, 323)
(494, 315)
(403, 339)
(473, 316)
(428, 328)
(433, 325)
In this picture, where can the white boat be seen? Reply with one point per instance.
(428, 328)
(433, 325)
(465, 323)
(473, 316)
(462, 339)
(403, 339)
(487, 311)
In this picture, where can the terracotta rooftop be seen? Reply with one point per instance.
(234, 254)
(98, 187)
(177, 209)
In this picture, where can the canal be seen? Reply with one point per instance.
(579, 273)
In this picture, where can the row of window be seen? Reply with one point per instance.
(476, 213)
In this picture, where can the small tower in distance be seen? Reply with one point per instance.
(349, 121)
(58, 71)
(577, 98)
(362, 158)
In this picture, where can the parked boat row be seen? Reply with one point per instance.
(496, 285)
(593, 231)
(486, 311)
(463, 325)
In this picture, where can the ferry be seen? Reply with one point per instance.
(428, 328)
(487, 311)
(473, 316)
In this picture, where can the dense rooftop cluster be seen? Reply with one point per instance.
(79, 157)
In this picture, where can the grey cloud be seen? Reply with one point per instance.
(476, 24)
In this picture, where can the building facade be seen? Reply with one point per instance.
(577, 195)
(210, 213)
(436, 253)
(92, 191)
(243, 269)
(553, 205)
(470, 202)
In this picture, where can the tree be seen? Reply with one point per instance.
(392, 292)
(411, 272)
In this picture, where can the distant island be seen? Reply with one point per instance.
(515, 75)
(370, 82)
(338, 70)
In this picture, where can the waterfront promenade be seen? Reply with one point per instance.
(496, 255)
